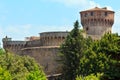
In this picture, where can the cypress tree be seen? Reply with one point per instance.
(71, 52)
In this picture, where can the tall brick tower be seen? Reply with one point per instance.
(97, 21)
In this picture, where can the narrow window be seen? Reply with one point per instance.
(106, 13)
(91, 13)
(87, 28)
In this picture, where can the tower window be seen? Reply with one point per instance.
(106, 13)
(91, 13)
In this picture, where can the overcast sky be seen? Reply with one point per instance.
(22, 18)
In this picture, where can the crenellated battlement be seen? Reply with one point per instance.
(45, 39)
(52, 38)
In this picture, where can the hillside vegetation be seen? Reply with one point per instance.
(14, 67)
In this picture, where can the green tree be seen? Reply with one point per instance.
(19, 67)
(36, 75)
(109, 44)
(2, 51)
(102, 56)
(4, 74)
(90, 77)
(71, 52)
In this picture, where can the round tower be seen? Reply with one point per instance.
(52, 38)
(97, 21)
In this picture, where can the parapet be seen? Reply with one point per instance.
(53, 34)
(32, 38)
(45, 39)
(52, 38)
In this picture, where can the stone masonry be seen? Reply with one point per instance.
(45, 48)
(97, 21)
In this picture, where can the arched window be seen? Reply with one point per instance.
(63, 37)
(59, 37)
(55, 37)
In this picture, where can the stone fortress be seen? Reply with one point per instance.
(45, 48)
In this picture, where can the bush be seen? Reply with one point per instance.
(21, 67)
(90, 77)
(4, 74)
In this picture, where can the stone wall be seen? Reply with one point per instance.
(44, 50)
(14, 46)
(97, 21)
(52, 38)
(45, 56)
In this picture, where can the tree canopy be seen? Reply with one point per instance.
(71, 52)
(4, 74)
(83, 56)
(21, 67)
(102, 56)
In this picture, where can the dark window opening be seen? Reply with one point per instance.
(86, 28)
(55, 37)
(106, 13)
(91, 13)
(63, 37)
